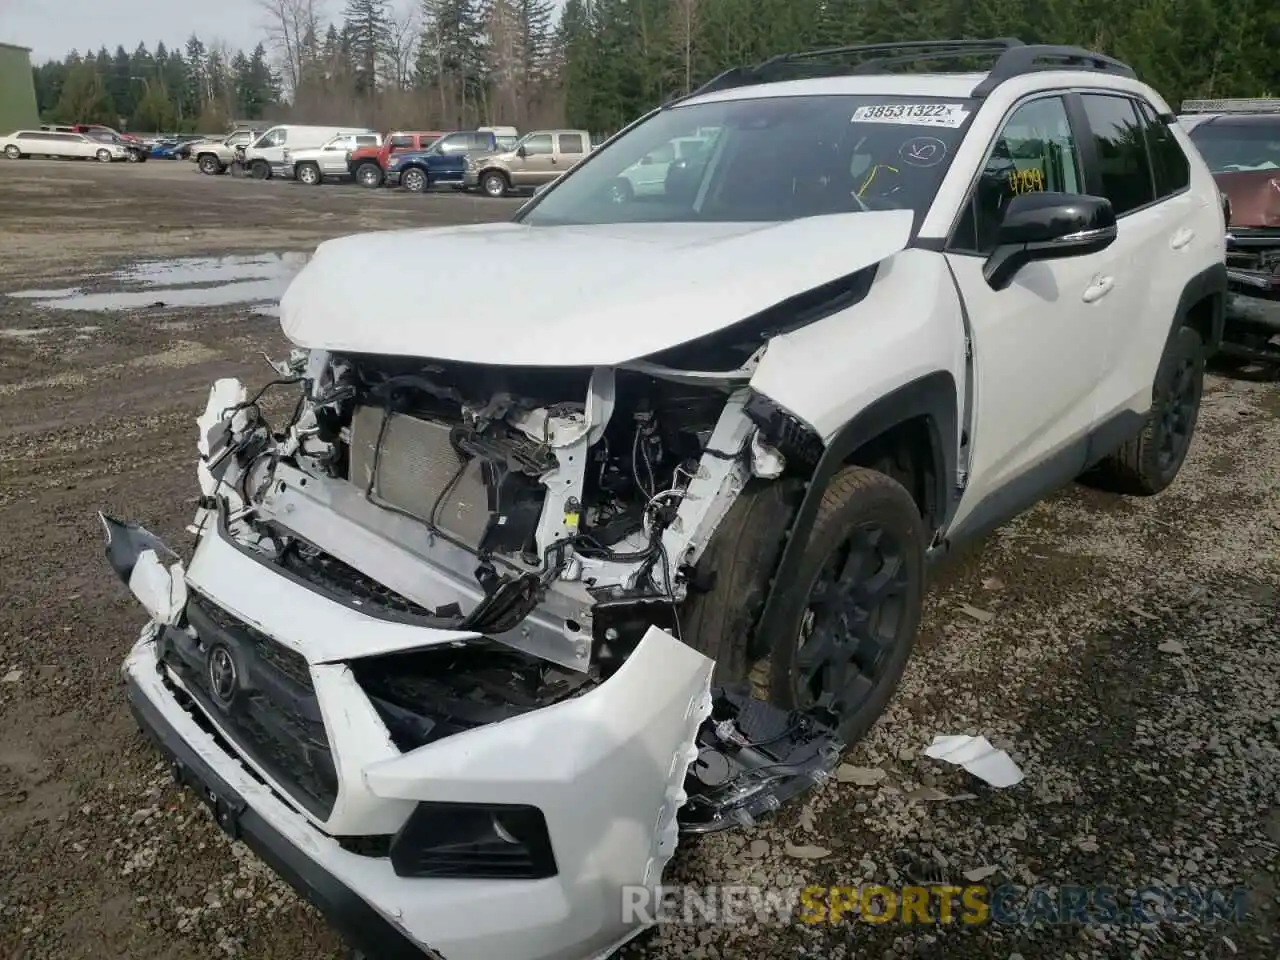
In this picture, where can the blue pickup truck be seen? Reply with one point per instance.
(445, 161)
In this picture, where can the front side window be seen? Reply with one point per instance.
(401, 143)
(1034, 152)
(767, 160)
(538, 145)
(273, 138)
(1122, 151)
(1232, 146)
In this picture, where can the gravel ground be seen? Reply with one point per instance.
(1124, 652)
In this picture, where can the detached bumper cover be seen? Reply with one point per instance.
(360, 925)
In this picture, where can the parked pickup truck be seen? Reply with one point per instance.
(216, 156)
(368, 164)
(1240, 141)
(536, 159)
(445, 161)
(314, 165)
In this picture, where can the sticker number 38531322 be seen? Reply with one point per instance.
(912, 114)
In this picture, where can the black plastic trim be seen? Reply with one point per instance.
(360, 924)
(933, 396)
(1210, 282)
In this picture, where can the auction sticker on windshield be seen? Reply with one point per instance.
(913, 114)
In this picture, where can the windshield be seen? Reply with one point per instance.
(1235, 147)
(771, 160)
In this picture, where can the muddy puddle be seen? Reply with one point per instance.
(256, 280)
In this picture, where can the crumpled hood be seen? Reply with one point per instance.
(505, 293)
(1254, 196)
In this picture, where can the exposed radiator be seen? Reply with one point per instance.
(418, 466)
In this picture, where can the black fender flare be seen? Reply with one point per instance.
(933, 396)
(1208, 283)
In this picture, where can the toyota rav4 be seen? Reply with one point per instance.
(513, 600)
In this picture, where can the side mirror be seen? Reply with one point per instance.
(1048, 226)
(521, 151)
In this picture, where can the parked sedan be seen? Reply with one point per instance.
(135, 150)
(65, 146)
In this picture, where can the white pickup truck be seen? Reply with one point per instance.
(519, 596)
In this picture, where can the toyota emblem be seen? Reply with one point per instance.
(223, 679)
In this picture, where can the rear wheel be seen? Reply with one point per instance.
(103, 156)
(209, 164)
(494, 184)
(12, 152)
(369, 175)
(862, 575)
(414, 179)
(309, 174)
(1149, 462)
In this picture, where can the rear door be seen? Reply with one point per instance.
(1135, 162)
(570, 149)
(1040, 344)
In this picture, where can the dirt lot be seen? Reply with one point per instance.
(1127, 653)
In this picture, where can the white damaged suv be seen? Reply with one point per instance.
(518, 596)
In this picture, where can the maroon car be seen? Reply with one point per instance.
(1240, 141)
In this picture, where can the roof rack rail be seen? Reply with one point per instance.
(1013, 59)
(1245, 105)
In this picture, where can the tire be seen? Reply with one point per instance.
(103, 156)
(369, 175)
(1149, 463)
(134, 157)
(494, 184)
(860, 510)
(414, 180)
(260, 170)
(12, 152)
(309, 174)
(209, 164)
(621, 191)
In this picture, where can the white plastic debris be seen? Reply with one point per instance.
(979, 757)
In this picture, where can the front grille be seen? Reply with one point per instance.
(264, 700)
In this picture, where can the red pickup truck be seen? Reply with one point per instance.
(368, 164)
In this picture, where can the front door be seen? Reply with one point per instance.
(537, 165)
(1039, 345)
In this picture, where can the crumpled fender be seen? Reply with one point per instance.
(138, 557)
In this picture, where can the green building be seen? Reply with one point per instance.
(17, 89)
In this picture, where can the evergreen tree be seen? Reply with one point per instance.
(368, 30)
(84, 97)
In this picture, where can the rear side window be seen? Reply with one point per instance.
(571, 143)
(1168, 162)
(366, 141)
(1121, 150)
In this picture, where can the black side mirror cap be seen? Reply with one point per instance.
(1048, 226)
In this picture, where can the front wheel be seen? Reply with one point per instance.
(260, 170)
(134, 156)
(494, 184)
(414, 180)
(309, 174)
(1147, 464)
(862, 575)
(103, 156)
(12, 152)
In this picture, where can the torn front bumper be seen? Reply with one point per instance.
(605, 769)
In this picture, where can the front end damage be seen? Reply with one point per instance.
(426, 654)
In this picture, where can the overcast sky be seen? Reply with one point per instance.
(52, 28)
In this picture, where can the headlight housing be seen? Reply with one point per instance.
(474, 841)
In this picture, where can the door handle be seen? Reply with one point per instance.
(1181, 238)
(1100, 287)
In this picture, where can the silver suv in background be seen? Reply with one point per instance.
(329, 161)
(536, 159)
(216, 156)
